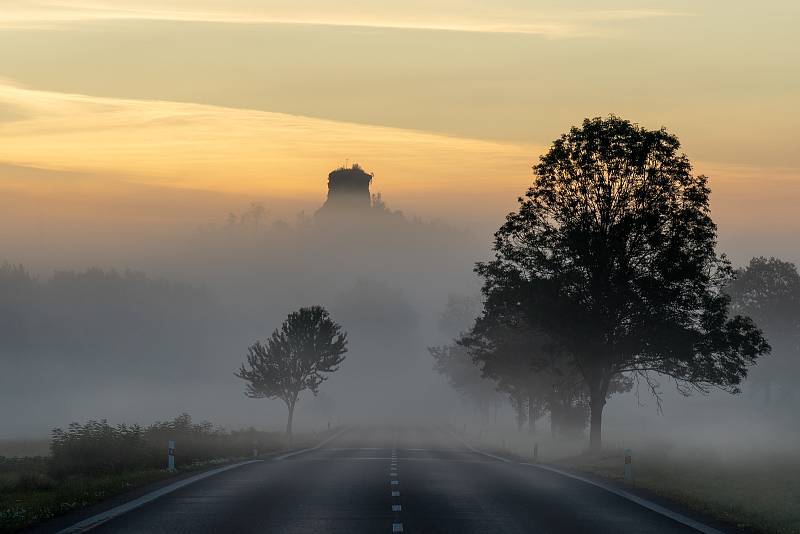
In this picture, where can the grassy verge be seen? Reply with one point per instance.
(36, 497)
(759, 493)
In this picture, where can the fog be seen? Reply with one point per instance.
(102, 341)
(136, 322)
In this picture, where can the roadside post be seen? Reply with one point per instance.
(628, 466)
(536, 453)
(171, 456)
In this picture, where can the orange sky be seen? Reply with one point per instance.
(229, 102)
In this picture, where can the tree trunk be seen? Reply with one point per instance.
(289, 423)
(598, 382)
(596, 423)
(531, 416)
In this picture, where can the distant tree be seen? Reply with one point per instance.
(297, 356)
(459, 314)
(454, 361)
(509, 346)
(614, 248)
(768, 290)
(464, 376)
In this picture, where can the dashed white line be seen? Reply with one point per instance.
(397, 526)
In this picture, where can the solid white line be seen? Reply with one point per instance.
(356, 448)
(473, 449)
(315, 447)
(680, 518)
(144, 499)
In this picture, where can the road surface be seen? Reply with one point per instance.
(376, 480)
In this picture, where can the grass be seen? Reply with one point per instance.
(759, 493)
(35, 497)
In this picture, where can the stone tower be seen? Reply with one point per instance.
(348, 190)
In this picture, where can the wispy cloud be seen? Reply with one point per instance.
(237, 150)
(488, 18)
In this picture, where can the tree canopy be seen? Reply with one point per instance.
(298, 356)
(613, 249)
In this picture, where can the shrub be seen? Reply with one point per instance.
(96, 447)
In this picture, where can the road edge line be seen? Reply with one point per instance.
(97, 519)
(675, 516)
(315, 447)
(478, 451)
(657, 508)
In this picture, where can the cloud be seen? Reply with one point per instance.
(477, 17)
(242, 151)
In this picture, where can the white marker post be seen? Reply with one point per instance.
(628, 466)
(536, 453)
(171, 456)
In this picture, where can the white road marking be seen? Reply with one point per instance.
(473, 449)
(397, 527)
(395, 482)
(395, 494)
(315, 447)
(96, 520)
(397, 508)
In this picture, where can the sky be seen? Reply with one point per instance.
(153, 116)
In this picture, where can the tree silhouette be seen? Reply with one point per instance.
(614, 248)
(464, 376)
(297, 356)
(768, 290)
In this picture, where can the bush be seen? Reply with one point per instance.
(97, 447)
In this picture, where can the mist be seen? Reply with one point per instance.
(145, 319)
(151, 339)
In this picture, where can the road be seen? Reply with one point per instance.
(374, 480)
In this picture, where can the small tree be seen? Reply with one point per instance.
(298, 356)
(614, 247)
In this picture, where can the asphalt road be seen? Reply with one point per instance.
(390, 480)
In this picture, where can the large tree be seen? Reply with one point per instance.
(298, 356)
(613, 247)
